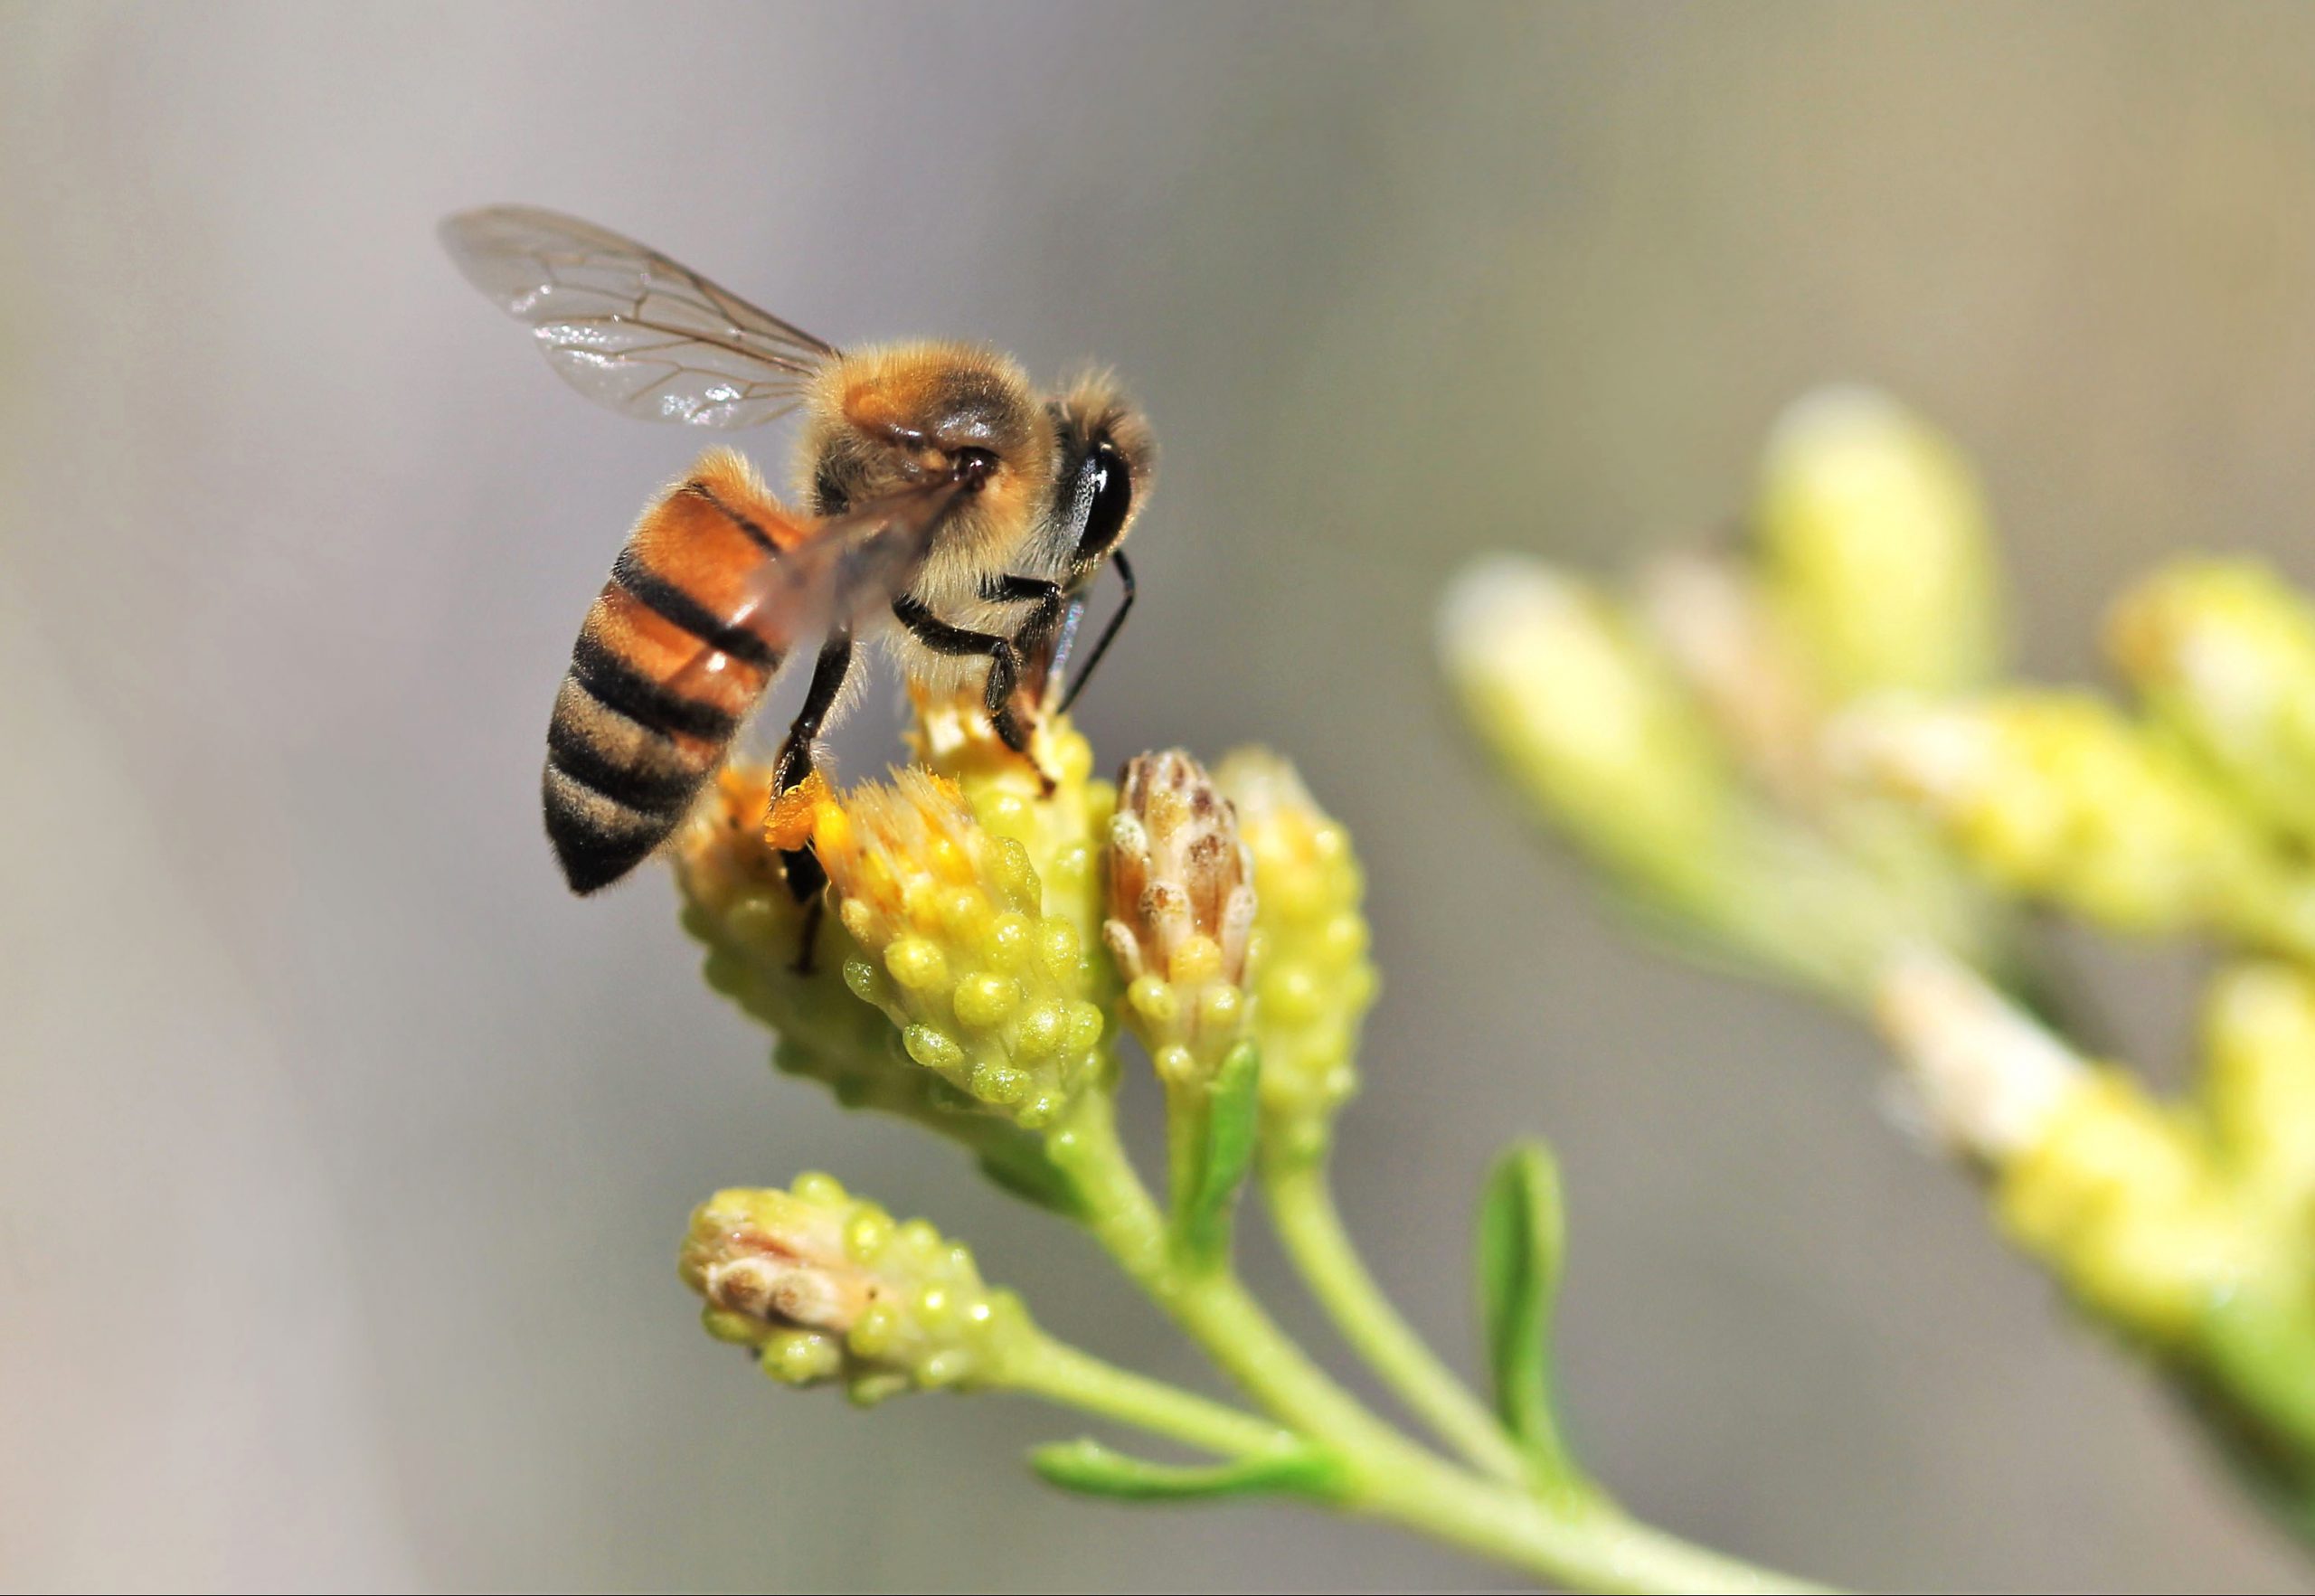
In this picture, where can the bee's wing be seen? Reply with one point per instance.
(630, 328)
(843, 570)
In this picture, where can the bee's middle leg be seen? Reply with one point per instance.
(802, 869)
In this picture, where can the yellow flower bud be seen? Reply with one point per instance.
(1312, 979)
(1874, 548)
(2224, 650)
(2120, 1198)
(736, 902)
(1587, 720)
(825, 1287)
(978, 978)
(2258, 1082)
(1181, 912)
(2117, 1197)
(2055, 796)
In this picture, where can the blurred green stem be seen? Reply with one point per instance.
(1589, 1544)
(1063, 1374)
(1302, 1206)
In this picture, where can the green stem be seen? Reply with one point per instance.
(1063, 1374)
(1588, 1545)
(1302, 1206)
(1186, 1127)
(2255, 1352)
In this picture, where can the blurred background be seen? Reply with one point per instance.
(343, 1156)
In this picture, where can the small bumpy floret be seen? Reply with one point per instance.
(954, 945)
(827, 1287)
(1181, 915)
(1309, 971)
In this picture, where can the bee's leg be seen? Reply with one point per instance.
(805, 876)
(1004, 668)
(1038, 641)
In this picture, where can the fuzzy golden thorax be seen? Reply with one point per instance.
(886, 419)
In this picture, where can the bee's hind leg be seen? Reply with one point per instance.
(805, 878)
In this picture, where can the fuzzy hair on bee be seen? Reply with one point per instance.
(943, 507)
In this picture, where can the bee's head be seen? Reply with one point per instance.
(886, 419)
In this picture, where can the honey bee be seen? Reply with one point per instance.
(955, 515)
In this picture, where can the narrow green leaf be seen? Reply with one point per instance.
(1087, 1465)
(1232, 1116)
(1521, 1238)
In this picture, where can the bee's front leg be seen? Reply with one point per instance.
(1004, 670)
(1039, 637)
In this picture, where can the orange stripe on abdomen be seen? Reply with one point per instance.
(680, 662)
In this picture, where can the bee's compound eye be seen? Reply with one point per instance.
(1104, 499)
(974, 468)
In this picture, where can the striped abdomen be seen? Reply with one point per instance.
(661, 678)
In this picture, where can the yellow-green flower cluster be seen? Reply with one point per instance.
(737, 904)
(988, 990)
(827, 1287)
(1795, 751)
(1048, 802)
(1181, 912)
(2055, 796)
(2121, 1199)
(2223, 652)
(1701, 796)
(1679, 738)
(2160, 1219)
(1309, 965)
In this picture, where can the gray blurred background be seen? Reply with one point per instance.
(342, 1156)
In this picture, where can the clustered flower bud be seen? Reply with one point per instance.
(738, 904)
(2055, 796)
(1048, 802)
(2124, 1204)
(1181, 911)
(825, 1287)
(2224, 653)
(1586, 718)
(2121, 1198)
(1312, 979)
(1874, 548)
(1715, 626)
(2258, 1085)
(955, 947)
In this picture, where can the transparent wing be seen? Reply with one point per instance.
(847, 568)
(630, 328)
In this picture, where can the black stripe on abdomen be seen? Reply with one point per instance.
(621, 688)
(665, 782)
(597, 839)
(738, 518)
(670, 603)
(614, 787)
